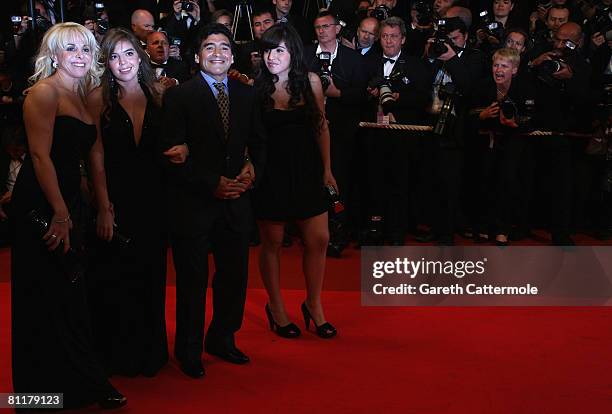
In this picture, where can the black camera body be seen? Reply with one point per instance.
(16, 20)
(424, 13)
(438, 47)
(101, 23)
(545, 70)
(490, 26)
(187, 6)
(602, 22)
(380, 13)
(508, 108)
(325, 70)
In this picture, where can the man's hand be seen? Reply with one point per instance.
(167, 82)
(247, 174)
(175, 52)
(449, 54)
(347, 43)
(331, 90)
(598, 39)
(564, 73)
(229, 189)
(544, 56)
(6, 198)
(177, 154)
(176, 6)
(195, 13)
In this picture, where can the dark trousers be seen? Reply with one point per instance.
(392, 174)
(230, 253)
(554, 173)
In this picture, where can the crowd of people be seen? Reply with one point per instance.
(361, 122)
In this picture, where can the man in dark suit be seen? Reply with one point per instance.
(219, 120)
(345, 92)
(393, 156)
(461, 67)
(170, 71)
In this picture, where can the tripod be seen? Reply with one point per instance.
(318, 4)
(241, 26)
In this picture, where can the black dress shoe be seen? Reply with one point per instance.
(232, 355)
(193, 368)
(113, 400)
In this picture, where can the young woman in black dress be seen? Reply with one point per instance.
(53, 349)
(296, 173)
(129, 284)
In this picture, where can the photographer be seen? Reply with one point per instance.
(502, 184)
(561, 78)
(169, 71)
(455, 70)
(399, 88)
(491, 30)
(344, 83)
(441, 7)
(420, 28)
(542, 39)
(183, 24)
(249, 59)
(365, 40)
(518, 40)
(95, 19)
(284, 13)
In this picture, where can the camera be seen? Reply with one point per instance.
(424, 13)
(72, 262)
(447, 93)
(187, 6)
(380, 13)
(545, 70)
(102, 24)
(385, 96)
(337, 231)
(438, 47)
(42, 24)
(508, 108)
(175, 41)
(490, 26)
(16, 20)
(325, 71)
(602, 22)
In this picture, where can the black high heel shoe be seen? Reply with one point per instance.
(325, 331)
(288, 331)
(112, 401)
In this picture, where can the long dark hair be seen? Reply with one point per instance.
(298, 85)
(146, 76)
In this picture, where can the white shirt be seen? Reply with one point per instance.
(388, 66)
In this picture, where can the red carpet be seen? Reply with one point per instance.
(391, 360)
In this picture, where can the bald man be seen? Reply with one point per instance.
(142, 24)
(461, 12)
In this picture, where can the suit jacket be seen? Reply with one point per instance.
(191, 116)
(349, 76)
(178, 70)
(413, 86)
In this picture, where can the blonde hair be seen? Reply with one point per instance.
(55, 40)
(509, 54)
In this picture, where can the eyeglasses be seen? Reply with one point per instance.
(324, 26)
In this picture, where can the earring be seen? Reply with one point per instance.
(139, 74)
(54, 64)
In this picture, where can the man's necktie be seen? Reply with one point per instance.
(386, 59)
(223, 103)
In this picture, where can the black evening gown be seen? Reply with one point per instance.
(128, 285)
(292, 184)
(52, 344)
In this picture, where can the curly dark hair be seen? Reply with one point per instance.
(146, 76)
(298, 86)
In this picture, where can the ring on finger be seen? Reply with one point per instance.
(54, 236)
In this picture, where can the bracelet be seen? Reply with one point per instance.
(62, 221)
